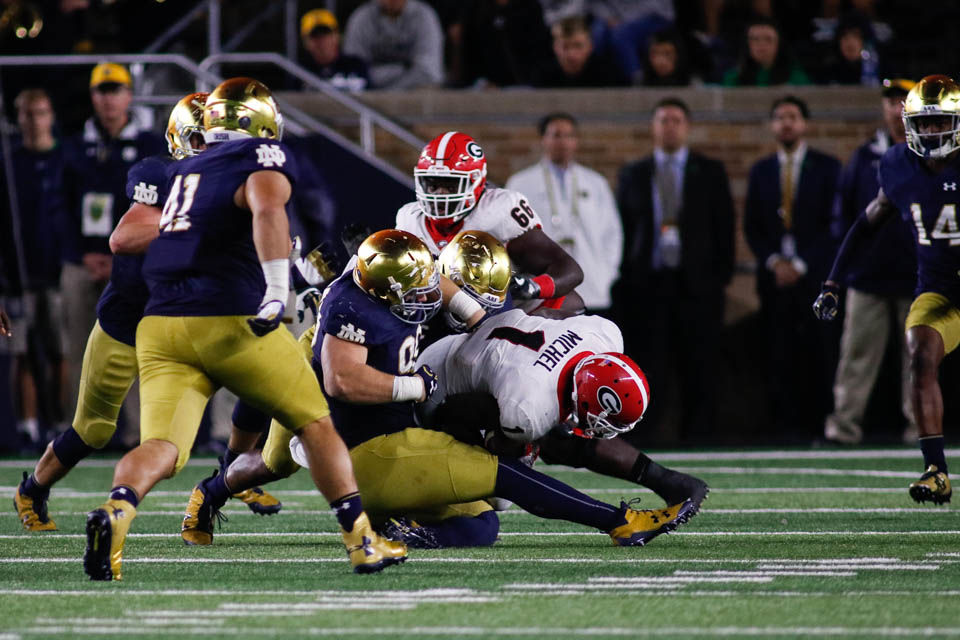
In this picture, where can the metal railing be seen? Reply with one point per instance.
(368, 116)
(296, 121)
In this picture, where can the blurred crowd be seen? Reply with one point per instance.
(405, 44)
(79, 134)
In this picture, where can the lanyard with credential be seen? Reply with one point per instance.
(574, 192)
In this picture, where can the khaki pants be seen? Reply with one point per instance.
(866, 329)
(80, 295)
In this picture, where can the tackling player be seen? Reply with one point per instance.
(919, 180)
(218, 276)
(452, 194)
(364, 352)
(561, 384)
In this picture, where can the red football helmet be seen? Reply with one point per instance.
(450, 176)
(610, 393)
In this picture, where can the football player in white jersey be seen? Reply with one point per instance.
(560, 384)
(452, 195)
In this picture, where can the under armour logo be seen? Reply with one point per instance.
(271, 155)
(367, 546)
(949, 186)
(352, 334)
(145, 193)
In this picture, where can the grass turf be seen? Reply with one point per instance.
(787, 545)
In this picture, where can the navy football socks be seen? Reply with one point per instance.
(347, 509)
(70, 448)
(123, 492)
(30, 487)
(932, 448)
(216, 490)
(547, 497)
(465, 531)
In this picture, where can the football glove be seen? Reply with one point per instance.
(523, 287)
(827, 304)
(315, 269)
(309, 298)
(430, 381)
(269, 316)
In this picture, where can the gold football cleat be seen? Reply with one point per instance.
(33, 513)
(369, 552)
(107, 528)
(933, 486)
(259, 501)
(643, 525)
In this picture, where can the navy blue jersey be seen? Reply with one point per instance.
(888, 266)
(346, 312)
(928, 202)
(121, 304)
(204, 262)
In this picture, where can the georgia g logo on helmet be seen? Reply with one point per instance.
(609, 400)
(474, 150)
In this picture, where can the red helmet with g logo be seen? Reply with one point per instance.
(450, 175)
(610, 394)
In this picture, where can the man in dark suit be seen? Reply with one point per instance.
(790, 198)
(678, 257)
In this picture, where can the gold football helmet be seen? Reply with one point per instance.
(931, 117)
(478, 264)
(241, 108)
(396, 267)
(185, 122)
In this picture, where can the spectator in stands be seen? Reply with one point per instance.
(320, 35)
(32, 245)
(787, 217)
(575, 63)
(678, 223)
(95, 175)
(666, 62)
(765, 60)
(502, 42)
(879, 286)
(400, 40)
(854, 59)
(576, 208)
(624, 27)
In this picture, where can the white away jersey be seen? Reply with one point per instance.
(519, 359)
(502, 213)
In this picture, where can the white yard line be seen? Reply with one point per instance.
(515, 511)
(325, 534)
(486, 632)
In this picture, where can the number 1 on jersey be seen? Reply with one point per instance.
(175, 216)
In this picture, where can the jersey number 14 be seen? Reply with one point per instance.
(944, 229)
(175, 210)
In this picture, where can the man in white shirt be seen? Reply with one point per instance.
(577, 208)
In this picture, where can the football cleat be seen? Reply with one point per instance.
(107, 529)
(643, 525)
(368, 552)
(32, 511)
(198, 520)
(410, 533)
(259, 501)
(933, 486)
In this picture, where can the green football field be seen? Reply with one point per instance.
(789, 544)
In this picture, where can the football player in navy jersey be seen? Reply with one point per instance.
(218, 277)
(919, 179)
(364, 350)
(110, 361)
